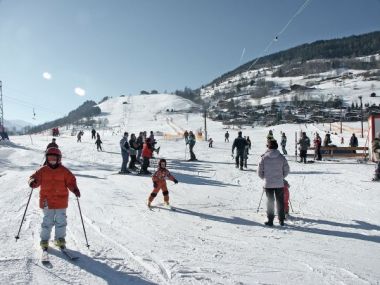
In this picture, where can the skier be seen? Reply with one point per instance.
(226, 137)
(79, 136)
(159, 182)
(52, 144)
(376, 155)
(191, 142)
(98, 143)
(283, 144)
(317, 147)
(327, 140)
(286, 198)
(132, 152)
(210, 141)
(240, 144)
(93, 132)
(54, 180)
(124, 145)
(354, 142)
(273, 168)
(304, 143)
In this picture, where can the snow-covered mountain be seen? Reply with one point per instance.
(16, 125)
(216, 235)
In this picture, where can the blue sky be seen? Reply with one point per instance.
(109, 48)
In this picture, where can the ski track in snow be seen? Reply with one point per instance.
(214, 236)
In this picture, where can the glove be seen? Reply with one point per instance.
(155, 184)
(175, 181)
(76, 192)
(33, 183)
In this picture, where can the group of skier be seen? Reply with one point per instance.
(242, 145)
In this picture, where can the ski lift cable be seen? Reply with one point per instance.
(298, 12)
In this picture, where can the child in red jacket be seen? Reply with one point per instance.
(286, 197)
(159, 182)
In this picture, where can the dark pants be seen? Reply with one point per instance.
(239, 157)
(145, 165)
(132, 163)
(279, 193)
(93, 136)
(303, 154)
(284, 150)
(192, 155)
(318, 153)
(99, 147)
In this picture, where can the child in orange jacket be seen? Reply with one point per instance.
(159, 182)
(55, 180)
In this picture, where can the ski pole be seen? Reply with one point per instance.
(23, 217)
(290, 202)
(84, 230)
(262, 194)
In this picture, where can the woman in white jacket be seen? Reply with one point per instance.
(273, 168)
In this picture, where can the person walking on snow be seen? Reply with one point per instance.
(283, 143)
(98, 143)
(124, 145)
(93, 132)
(54, 181)
(147, 154)
(210, 141)
(226, 137)
(79, 136)
(317, 147)
(270, 135)
(354, 142)
(52, 144)
(159, 182)
(132, 152)
(239, 144)
(191, 142)
(273, 168)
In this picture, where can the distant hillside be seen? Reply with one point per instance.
(86, 110)
(344, 48)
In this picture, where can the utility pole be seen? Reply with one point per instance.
(341, 114)
(2, 128)
(205, 117)
(361, 113)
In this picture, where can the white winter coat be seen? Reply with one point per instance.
(273, 168)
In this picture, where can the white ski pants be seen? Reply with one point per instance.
(53, 217)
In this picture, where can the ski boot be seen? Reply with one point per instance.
(269, 223)
(44, 244)
(61, 243)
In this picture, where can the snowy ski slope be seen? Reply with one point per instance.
(215, 236)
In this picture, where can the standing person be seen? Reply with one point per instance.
(132, 152)
(376, 156)
(327, 140)
(124, 145)
(79, 136)
(147, 154)
(93, 132)
(52, 144)
(140, 143)
(98, 143)
(283, 143)
(317, 147)
(191, 142)
(354, 142)
(210, 141)
(55, 180)
(239, 144)
(249, 144)
(227, 137)
(159, 182)
(270, 135)
(304, 143)
(273, 168)
(152, 139)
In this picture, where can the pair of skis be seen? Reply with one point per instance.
(46, 260)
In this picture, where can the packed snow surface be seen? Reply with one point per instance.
(215, 236)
